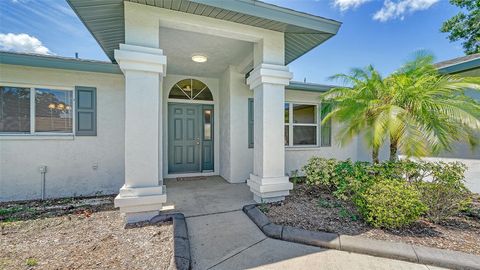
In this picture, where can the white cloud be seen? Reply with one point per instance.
(398, 9)
(22, 43)
(345, 5)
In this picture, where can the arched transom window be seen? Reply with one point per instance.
(190, 89)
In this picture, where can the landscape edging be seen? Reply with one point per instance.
(379, 248)
(181, 259)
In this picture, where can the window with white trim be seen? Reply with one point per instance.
(301, 124)
(29, 110)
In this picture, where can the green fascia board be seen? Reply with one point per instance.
(34, 60)
(461, 67)
(275, 13)
(309, 87)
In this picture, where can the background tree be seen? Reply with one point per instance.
(465, 25)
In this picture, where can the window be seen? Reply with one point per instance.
(53, 110)
(190, 89)
(207, 125)
(14, 109)
(301, 125)
(326, 129)
(28, 110)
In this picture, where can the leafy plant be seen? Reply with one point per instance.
(320, 172)
(10, 210)
(344, 213)
(295, 178)
(352, 177)
(390, 204)
(326, 203)
(31, 262)
(263, 207)
(446, 194)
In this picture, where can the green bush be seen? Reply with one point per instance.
(321, 172)
(440, 186)
(352, 178)
(446, 194)
(390, 204)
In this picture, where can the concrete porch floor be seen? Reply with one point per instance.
(209, 196)
(223, 237)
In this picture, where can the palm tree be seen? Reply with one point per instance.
(418, 110)
(358, 107)
(430, 111)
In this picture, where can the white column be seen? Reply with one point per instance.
(142, 196)
(268, 181)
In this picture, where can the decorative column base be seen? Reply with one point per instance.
(140, 204)
(271, 189)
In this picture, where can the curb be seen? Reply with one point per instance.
(385, 249)
(181, 259)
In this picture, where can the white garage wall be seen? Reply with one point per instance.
(70, 160)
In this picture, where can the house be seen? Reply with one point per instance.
(194, 88)
(197, 87)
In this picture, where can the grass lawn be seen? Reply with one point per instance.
(79, 234)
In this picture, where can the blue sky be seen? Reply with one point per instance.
(379, 32)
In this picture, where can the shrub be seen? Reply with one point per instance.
(390, 204)
(445, 195)
(320, 172)
(352, 178)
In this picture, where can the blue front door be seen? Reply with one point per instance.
(190, 138)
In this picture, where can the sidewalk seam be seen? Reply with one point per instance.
(235, 254)
(216, 213)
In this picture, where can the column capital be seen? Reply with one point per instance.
(139, 58)
(269, 73)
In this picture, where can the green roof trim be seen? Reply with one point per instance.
(303, 32)
(309, 87)
(461, 67)
(48, 61)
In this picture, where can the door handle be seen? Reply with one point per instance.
(197, 141)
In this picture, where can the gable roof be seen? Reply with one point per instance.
(303, 32)
(459, 64)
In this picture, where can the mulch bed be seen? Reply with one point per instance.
(79, 234)
(318, 210)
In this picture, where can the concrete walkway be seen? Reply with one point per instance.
(223, 237)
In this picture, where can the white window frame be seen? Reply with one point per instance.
(33, 88)
(291, 124)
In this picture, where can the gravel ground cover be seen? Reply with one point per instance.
(315, 209)
(79, 234)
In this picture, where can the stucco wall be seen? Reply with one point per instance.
(70, 160)
(225, 152)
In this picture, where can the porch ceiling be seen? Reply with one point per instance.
(179, 46)
(303, 32)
